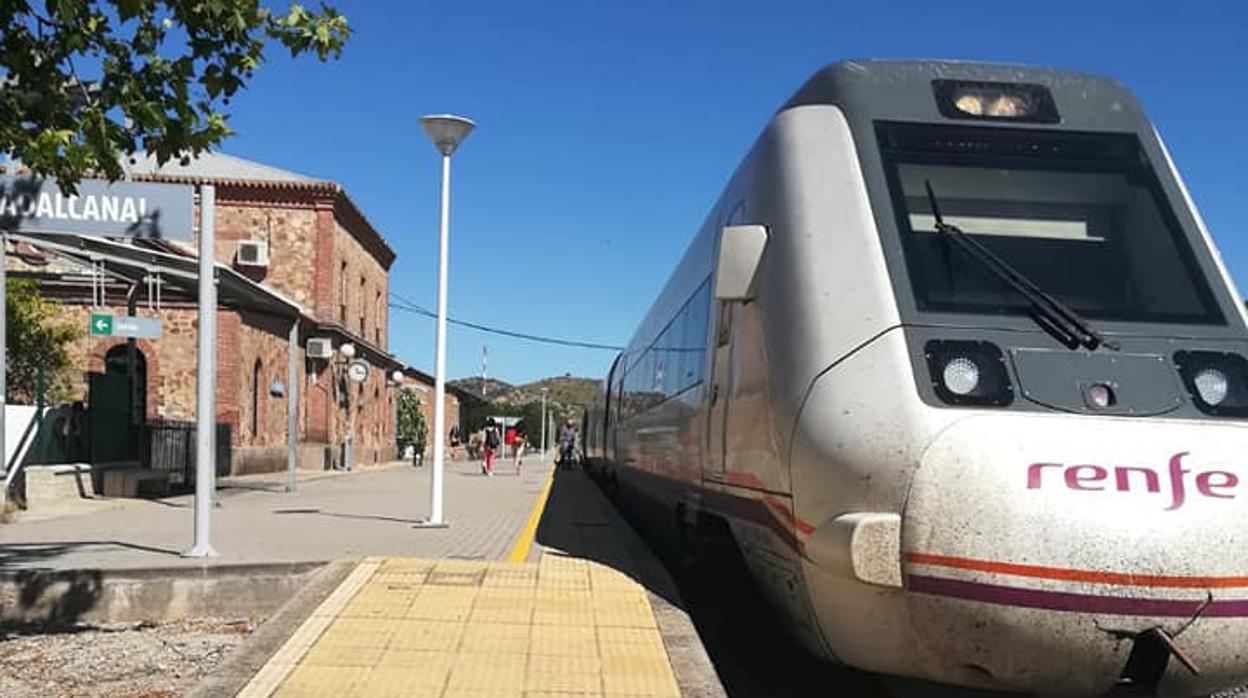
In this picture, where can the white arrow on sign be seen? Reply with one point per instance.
(100, 325)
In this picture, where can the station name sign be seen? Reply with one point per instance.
(121, 209)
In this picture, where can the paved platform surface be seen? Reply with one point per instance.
(595, 616)
(411, 627)
(329, 517)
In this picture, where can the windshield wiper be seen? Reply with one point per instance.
(1053, 315)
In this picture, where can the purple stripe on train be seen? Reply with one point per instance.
(1068, 601)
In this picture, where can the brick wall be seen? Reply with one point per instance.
(373, 404)
(310, 234)
(361, 284)
(291, 234)
(263, 360)
(171, 362)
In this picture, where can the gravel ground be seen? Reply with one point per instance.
(138, 661)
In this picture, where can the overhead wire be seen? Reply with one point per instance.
(410, 307)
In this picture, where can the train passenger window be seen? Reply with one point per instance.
(673, 363)
(693, 335)
(1081, 215)
(618, 395)
(662, 367)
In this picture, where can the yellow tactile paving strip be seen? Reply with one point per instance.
(458, 629)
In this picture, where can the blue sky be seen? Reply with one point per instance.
(606, 130)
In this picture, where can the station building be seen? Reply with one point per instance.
(295, 259)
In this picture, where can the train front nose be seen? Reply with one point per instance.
(1026, 538)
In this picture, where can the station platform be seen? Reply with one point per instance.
(451, 628)
(537, 587)
(330, 516)
(576, 606)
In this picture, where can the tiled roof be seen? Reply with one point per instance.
(215, 166)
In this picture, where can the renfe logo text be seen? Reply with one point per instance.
(1217, 484)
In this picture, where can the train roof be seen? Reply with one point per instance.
(902, 90)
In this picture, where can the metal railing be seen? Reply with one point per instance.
(169, 446)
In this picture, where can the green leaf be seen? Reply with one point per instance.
(166, 70)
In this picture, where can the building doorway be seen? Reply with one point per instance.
(117, 405)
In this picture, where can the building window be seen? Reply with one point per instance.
(342, 294)
(256, 380)
(378, 315)
(363, 309)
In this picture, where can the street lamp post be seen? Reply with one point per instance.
(446, 131)
(347, 351)
(544, 390)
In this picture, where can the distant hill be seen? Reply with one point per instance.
(494, 388)
(564, 390)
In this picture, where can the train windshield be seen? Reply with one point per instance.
(1081, 215)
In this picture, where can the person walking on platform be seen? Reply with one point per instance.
(521, 439)
(567, 445)
(489, 447)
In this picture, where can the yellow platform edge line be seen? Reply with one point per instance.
(520, 550)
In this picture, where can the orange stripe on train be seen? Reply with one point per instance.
(1074, 575)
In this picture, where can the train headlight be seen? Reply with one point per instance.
(970, 99)
(1211, 385)
(969, 104)
(1217, 381)
(961, 375)
(1100, 396)
(968, 373)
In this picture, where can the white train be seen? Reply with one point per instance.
(956, 362)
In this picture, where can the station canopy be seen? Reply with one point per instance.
(139, 264)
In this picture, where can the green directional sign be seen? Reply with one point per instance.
(125, 326)
(101, 324)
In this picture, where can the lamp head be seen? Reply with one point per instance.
(347, 350)
(446, 130)
(397, 376)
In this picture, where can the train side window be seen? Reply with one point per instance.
(696, 332)
(620, 397)
(665, 371)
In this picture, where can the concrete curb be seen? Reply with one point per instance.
(147, 594)
(245, 662)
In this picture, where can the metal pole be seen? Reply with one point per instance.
(439, 390)
(543, 426)
(292, 405)
(4, 348)
(205, 381)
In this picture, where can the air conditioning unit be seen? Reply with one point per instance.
(252, 253)
(320, 348)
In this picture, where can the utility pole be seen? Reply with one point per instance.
(205, 378)
(485, 360)
(544, 422)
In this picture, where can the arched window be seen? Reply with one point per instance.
(256, 387)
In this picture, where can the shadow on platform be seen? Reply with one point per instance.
(337, 515)
(581, 522)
